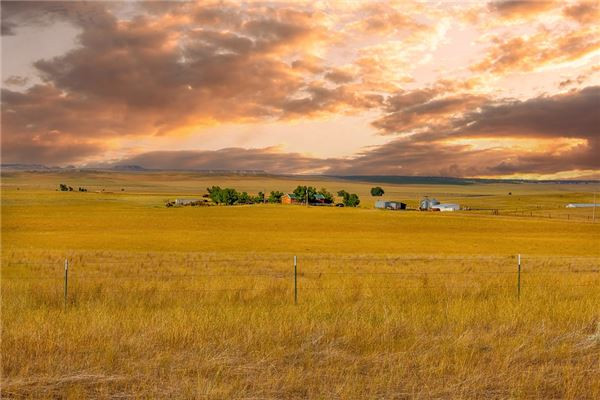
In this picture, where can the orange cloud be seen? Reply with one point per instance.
(544, 48)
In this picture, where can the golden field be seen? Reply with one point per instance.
(198, 302)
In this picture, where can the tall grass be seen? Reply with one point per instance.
(192, 325)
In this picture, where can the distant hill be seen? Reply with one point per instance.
(128, 168)
(440, 180)
(26, 167)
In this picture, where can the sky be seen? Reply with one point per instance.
(498, 89)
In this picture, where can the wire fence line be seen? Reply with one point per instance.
(81, 276)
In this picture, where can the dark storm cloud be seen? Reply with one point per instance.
(573, 115)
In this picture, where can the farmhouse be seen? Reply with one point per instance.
(289, 198)
(581, 205)
(390, 205)
(319, 199)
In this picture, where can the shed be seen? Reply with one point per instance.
(390, 205)
(581, 205)
(320, 199)
(185, 202)
(289, 198)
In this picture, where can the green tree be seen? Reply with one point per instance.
(377, 191)
(352, 201)
(301, 193)
(349, 199)
(215, 193)
(244, 198)
(229, 196)
(275, 196)
(260, 198)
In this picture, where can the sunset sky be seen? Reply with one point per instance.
(446, 88)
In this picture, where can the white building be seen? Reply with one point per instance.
(445, 207)
(185, 202)
(581, 205)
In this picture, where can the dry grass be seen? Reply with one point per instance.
(198, 303)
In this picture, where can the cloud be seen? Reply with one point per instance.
(566, 128)
(585, 12)
(546, 47)
(512, 9)
(157, 71)
(425, 108)
(174, 69)
(15, 80)
(574, 114)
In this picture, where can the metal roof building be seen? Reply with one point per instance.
(390, 205)
(427, 203)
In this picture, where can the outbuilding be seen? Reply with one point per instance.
(186, 202)
(390, 205)
(581, 205)
(445, 207)
(289, 198)
(427, 203)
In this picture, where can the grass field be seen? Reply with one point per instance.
(198, 302)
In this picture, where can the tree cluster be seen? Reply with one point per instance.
(309, 193)
(349, 199)
(229, 196)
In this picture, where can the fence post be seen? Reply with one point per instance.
(295, 281)
(519, 278)
(66, 280)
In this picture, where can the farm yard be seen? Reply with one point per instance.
(200, 302)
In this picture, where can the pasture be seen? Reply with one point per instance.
(198, 302)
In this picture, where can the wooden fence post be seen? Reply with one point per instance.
(295, 281)
(66, 280)
(519, 278)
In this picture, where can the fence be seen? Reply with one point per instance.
(296, 275)
(584, 215)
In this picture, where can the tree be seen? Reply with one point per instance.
(63, 187)
(260, 198)
(327, 195)
(275, 196)
(301, 193)
(244, 198)
(377, 191)
(352, 201)
(229, 196)
(225, 196)
(349, 200)
(215, 194)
